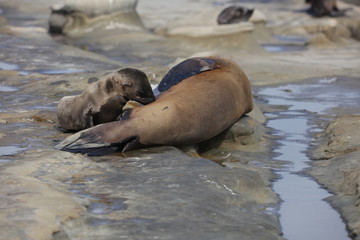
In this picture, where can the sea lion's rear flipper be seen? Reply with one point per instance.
(84, 142)
(127, 144)
(89, 141)
(186, 69)
(130, 143)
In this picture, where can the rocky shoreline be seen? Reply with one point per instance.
(166, 192)
(337, 167)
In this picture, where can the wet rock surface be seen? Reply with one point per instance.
(338, 167)
(162, 192)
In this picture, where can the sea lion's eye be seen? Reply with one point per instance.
(127, 84)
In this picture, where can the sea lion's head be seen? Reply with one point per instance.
(134, 83)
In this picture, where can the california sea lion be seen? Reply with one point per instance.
(321, 8)
(103, 101)
(234, 14)
(195, 109)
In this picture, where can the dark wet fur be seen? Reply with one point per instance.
(320, 8)
(234, 14)
(186, 69)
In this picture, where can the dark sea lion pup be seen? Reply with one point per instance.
(103, 101)
(195, 104)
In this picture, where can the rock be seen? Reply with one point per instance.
(99, 7)
(204, 25)
(157, 191)
(31, 208)
(244, 134)
(341, 136)
(247, 135)
(340, 173)
(341, 176)
(76, 17)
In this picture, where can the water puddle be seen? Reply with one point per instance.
(304, 214)
(99, 204)
(286, 44)
(283, 47)
(8, 66)
(7, 89)
(59, 71)
(15, 67)
(106, 206)
(10, 150)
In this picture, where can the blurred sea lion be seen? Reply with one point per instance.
(199, 98)
(77, 16)
(234, 14)
(103, 101)
(321, 8)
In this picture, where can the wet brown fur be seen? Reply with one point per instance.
(103, 101)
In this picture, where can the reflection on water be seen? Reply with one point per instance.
(10, 150)
(8, 66)
(99, 204)
(283, 47)
(303, 206)
(105, 206)
(315, 97)
(65, 71)
(303, 214)
(7, 89)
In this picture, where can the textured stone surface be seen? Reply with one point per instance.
(340, 172)
(155, 192)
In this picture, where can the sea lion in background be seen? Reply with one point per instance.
(103, 101)
(321, 8)
(195, 106)
(234, 14)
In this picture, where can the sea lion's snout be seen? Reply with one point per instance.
(136, 85)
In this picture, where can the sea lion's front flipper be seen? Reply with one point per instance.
(186, 69)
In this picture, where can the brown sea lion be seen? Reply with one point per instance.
(103, 101)
(199, 98)
(321, 8)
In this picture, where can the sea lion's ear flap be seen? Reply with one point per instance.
(130, 143)
(186, 69)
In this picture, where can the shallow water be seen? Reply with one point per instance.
(283, 47)
(304, 214)
(10, 150)
(56, 72)
(7, 89)
(8, 66)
